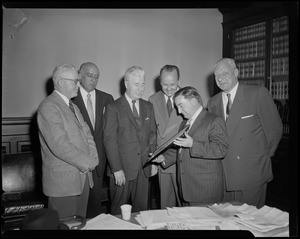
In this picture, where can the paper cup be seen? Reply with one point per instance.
(126, 211)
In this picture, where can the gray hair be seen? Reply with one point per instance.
(228, 61)
(59, 70)
(134, 70)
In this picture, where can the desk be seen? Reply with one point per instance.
(195, 215)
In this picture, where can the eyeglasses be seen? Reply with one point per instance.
(74, 80)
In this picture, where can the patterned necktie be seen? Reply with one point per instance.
(90, 110)
(169, 106)
(228, 107)
(72, 108)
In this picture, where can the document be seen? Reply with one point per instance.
(110, 222)
(166, 144)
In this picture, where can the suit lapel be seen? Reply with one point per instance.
(162, 107)
(80, 103)
(197, 122)
(128, 111)
(64, 107)
(99, 110)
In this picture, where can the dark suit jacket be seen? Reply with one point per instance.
(200, 168)
(127, 146)
(254, 131)
(166, 127)
(102, 99)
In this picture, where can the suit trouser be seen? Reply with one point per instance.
(72, 205)
(168, 190)
(94, 201)
(255, 196)
(134, 192)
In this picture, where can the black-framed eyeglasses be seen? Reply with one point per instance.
(74, 80)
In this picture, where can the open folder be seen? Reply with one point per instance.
(167, 144)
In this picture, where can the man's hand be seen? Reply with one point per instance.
(159, 159)
(186, 142)
(119, 178)
(154, 169)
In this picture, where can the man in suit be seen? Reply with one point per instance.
(167, 122)
(202, 148)
(68, 149)
(129, 137)
(254, 130)
(92, 103)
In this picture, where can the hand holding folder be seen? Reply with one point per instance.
(167, 144)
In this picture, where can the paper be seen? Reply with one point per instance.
(263, 220)
(110, 222)
(166, 144)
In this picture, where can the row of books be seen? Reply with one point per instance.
(280, 24)
(280, 45)
(280, 90)
(280, 66)
(252, 31)
(251, 69)
(286, 129)
(253, 82)
(249, 50)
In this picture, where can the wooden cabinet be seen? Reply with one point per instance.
(257, 36)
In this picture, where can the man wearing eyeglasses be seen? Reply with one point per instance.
(92, 103)
(68, 149)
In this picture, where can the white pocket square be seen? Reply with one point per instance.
(147, 118)
(247, 116)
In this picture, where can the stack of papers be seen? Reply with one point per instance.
(110, 222)
(155, 219)
(192, 218)
(259, 221)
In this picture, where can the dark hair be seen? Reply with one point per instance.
(170, 68)
(189, 92)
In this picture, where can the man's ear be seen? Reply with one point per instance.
(236, 72)
(60, 82)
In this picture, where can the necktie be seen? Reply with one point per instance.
(169, 105)
(134, 110)
(90, 109)
(229, 104)
(72, 108)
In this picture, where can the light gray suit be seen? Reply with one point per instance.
(166, 128)
(67, 147)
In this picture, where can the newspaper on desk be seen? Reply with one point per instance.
(266, 221)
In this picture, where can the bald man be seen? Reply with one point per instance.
(92, 103)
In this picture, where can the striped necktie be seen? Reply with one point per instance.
(229, 104)
(71, 106)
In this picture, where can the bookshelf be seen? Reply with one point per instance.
(257, 37)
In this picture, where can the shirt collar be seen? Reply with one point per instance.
(65, 98)
(232, 92)
(130, 100)
(84, 93)
(192, 119)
